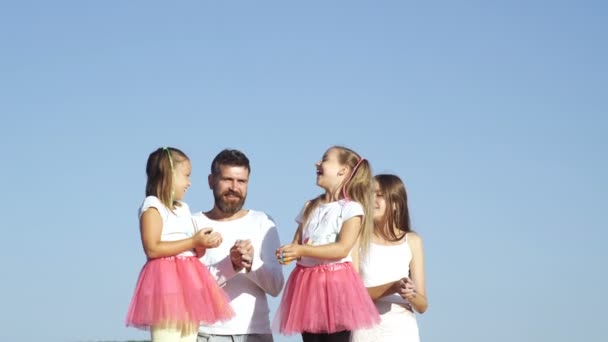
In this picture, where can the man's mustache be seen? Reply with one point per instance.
(233, 193)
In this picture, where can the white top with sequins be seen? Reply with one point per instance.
(323, 226)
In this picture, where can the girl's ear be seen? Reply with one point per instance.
(342, 171)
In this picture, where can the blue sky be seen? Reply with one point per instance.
(494, 114)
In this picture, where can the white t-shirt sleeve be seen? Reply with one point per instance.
(352, 209)
(152, 202)
(221, 271)
(300, 216)
(266, 271)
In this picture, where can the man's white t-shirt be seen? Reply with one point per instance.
(246, 290)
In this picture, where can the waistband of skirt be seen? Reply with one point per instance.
(334, 266)
(176, 257)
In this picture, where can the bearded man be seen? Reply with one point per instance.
(244, 264)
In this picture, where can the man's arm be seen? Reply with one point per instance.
(221, 271)
(266, 271)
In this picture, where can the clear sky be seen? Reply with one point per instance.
(493, 112)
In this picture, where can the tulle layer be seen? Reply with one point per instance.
(177, 292)
(325, 299)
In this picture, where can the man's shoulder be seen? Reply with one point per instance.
(259, 215)
(199, 215)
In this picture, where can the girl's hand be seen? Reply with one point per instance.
(407, 289)
(288, 253)
(207, 238)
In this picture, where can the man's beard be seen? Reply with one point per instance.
(228, 207)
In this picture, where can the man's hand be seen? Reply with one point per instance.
(241, 255)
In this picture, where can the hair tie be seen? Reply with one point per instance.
(172, 172)
(166, 149)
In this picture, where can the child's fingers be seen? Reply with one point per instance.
(284, 256)
(206, 230)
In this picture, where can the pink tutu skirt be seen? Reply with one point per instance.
(174, 292)
(325, 298)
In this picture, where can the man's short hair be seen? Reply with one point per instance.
(229, 157)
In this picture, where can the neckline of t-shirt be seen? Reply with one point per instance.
(249, 212)
(339, 202)
(392, 245)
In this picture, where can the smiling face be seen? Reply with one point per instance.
(230, 188)
(379, 203)
(181, 179)
(330, 172)
(391, 213)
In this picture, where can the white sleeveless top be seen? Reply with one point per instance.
(384, 264)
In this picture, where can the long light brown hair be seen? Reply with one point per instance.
(397, 213)
(160, 170)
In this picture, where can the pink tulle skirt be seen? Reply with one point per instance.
(174, 292)
(325, 298)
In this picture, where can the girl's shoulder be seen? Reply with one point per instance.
(413, 240)
(152, 202)
(349, 209)
(155, 202)
(183, 206)
(350, 205)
